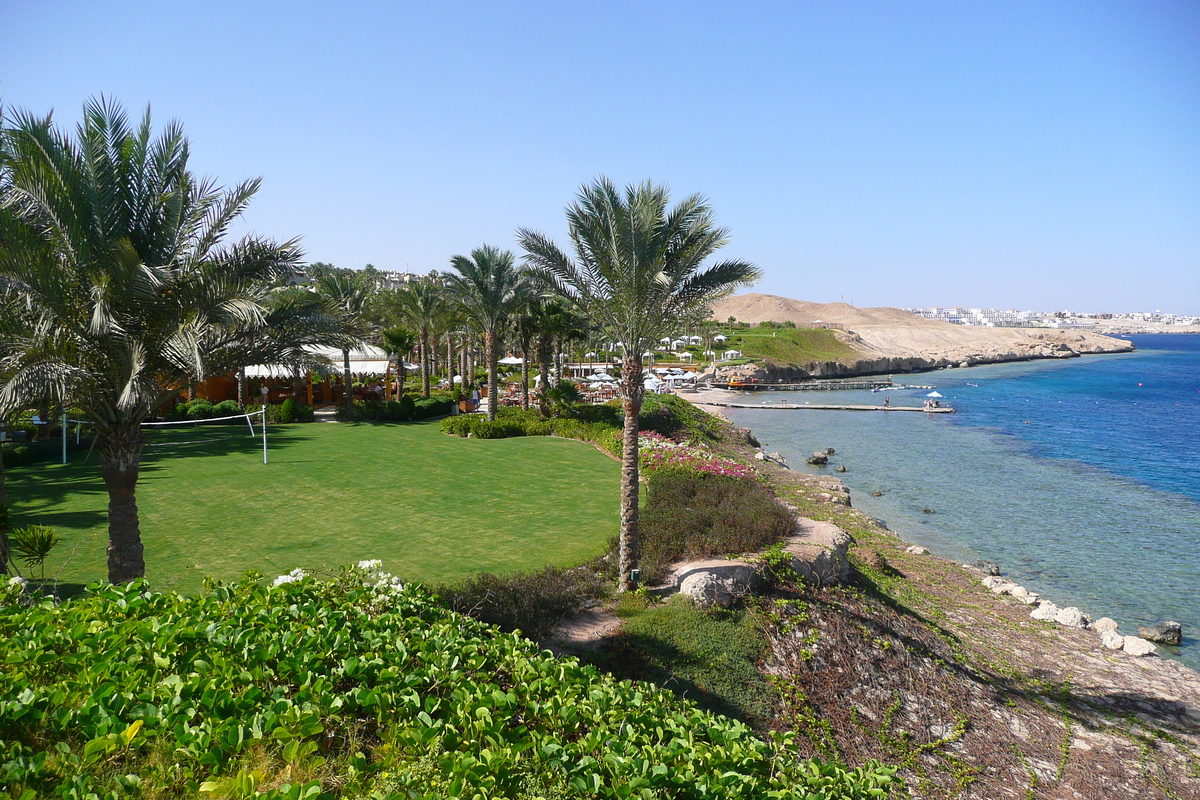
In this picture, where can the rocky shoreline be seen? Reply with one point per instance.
(1054, 704)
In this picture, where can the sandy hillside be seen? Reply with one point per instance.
(892, 333)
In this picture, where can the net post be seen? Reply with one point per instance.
(264, 430)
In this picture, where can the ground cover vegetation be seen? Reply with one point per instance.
(331, 493)
(254, 690)
(797, 346)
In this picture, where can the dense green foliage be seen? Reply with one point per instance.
(354, 687)
(402, 410)
(701, 516)
(290, 411)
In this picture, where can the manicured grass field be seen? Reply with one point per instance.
(433, 507)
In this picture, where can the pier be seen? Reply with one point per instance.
(828, 407)
(818, 385)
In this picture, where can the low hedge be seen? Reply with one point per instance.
(509, 423)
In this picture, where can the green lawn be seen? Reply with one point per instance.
(433, 507)
(790, 345)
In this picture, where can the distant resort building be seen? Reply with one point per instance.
(1069, 320)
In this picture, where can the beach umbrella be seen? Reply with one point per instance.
(934, 394)
(511, 360)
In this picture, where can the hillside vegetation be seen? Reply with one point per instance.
(797, 346)
(356, 687)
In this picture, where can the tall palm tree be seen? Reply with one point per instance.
(348, 295)
(490, 285)
(420, 304)
(638, 270)
(138, 296)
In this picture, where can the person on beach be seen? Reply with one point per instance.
(887, 402)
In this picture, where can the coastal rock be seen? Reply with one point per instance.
(1112, 640)
(776, 458)
(747, 436)
(1136, 646)
(818, 459)
(993, 581)
(840, 469)
(917, 550)
(1169, 632)
(760, 456)
(1019, 592)
(926, 510)
(1046, 611)
(1031, 598)
(987, 567)
(1105, 625)
(1005, 587)
(829, 451)
(876, 493)
(715, 582)
(1072, 617)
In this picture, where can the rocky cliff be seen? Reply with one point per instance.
(891, 340)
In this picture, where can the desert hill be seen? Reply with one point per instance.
(891, 334)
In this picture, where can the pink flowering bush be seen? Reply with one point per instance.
(657, 453)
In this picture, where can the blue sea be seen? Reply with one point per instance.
(1080, 478)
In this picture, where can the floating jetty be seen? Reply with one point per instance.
(827, 407)
(818, 385)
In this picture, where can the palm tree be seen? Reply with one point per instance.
(637, 271)
(138, 296)
(348, 295)
(420, 304)
(489, 285)
(398, 342)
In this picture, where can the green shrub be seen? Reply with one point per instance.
(531, 602)
(200, 409)
(701, 516)
(227, 408)
(427, 407)
(409, 404)
(374, 411)
(123, 692)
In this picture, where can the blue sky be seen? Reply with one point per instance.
(1029, 155)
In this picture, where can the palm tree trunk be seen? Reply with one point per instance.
(526, 352)
(348, 395)
(425, 362)
(402, 373)
(451, 361)
(120, 453)
(241, 388)
(628, 546)
(543, 352)
(3, 519)
(489, 344)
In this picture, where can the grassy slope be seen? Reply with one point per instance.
(433, 507)
(791, 345)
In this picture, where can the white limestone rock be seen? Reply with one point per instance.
(1137, 646)
(1105, 625)
(1046, 611)
(917, 550)
(1072, 617)
(1112, 640)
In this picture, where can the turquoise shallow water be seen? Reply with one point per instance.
(1081, 478)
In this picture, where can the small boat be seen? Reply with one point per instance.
(972, 384)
